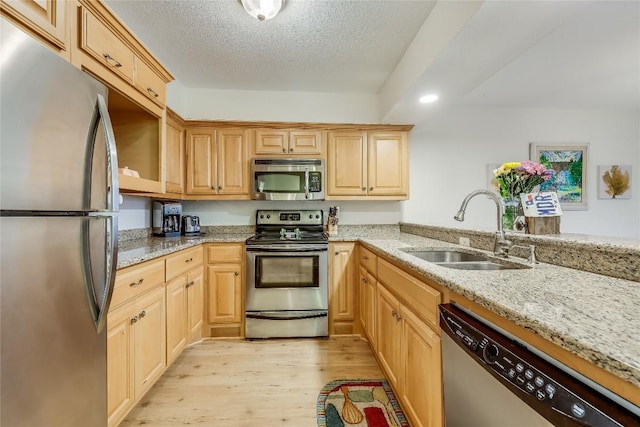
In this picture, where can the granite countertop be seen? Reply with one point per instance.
(591, 315)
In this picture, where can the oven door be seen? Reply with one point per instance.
(293, 277)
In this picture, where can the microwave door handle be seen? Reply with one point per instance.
(306, 183)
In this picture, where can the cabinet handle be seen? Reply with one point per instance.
(188, 260)
(364, 280)
(336, 253)
(364, 188)
(365, 257)
(219, 187)
(191, 283)
(370, 188)
(152, 92)
(237, 273)
(213, 187)
(134, 319)
(138, 283)
(284, 150)
(111, 58)
(142, 314)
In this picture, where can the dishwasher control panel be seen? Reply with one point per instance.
(560, 398)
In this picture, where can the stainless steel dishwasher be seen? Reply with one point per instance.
(491, 379)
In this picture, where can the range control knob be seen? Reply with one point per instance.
(261, 216)
(268, 216)
(310, 216)
(491, 353)
(317, 216)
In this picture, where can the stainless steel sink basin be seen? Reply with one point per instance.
(461, 260)
(446, 256)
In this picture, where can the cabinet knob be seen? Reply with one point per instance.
(291, 150)
(213, 187)
(364, 280)
(142, 314)
(191, 283)
(365, 257)
(370, 188)
(336, 253)
(134, 319)
(237, 273)
(364, 188)
(219, 187)
(188, 260)
(284, 150)
(138, 283)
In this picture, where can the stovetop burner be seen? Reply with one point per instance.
(299, 227)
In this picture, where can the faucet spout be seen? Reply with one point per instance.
(502, 245)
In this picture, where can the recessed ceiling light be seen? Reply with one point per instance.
(428, 98)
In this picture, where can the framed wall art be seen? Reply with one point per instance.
(569, 162)
(614, 182)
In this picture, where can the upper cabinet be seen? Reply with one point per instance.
(288, 143)
(175, 154)
(218, 163)
(372, 165)
(45, 20)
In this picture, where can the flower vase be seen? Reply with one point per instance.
(513, 216)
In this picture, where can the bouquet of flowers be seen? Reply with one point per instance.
(513, 178)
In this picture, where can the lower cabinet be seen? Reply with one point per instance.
(184, 311)
(341, 288)
(389, 335)
(136, 351)
(367, 304)
(225, 286)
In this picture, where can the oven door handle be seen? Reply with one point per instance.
(306, 183)
(284, 315)
(287, 250)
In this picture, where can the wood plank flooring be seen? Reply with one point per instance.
(252, 383)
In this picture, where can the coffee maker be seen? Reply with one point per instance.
(166, 217)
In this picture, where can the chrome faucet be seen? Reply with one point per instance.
(500, 245)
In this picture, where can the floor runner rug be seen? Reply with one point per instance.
(366, 403)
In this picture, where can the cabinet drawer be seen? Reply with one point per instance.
(422, 298)
(368, 260)
(149, 83)
(224, 254)
(137, 279)
(98, 41)
(183, 261)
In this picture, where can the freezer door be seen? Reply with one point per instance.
(47, 108)
(53, 362)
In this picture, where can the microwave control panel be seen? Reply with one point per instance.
(315, 182)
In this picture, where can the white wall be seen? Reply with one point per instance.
(210, 104)
(450, 154)
(135, 212)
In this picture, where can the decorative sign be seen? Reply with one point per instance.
(541, 204)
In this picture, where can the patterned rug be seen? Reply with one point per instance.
(366, 403)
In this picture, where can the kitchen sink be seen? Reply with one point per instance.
(461, 260)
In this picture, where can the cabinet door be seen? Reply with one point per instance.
(370, 309)
(195, 304)
(362, 295)
(388, 164)
(148, 82)
(346, 168)
(201, 161)
(176, 317)
(271, 141)
(174, 168)
(389, 335)
(341, 286)
(233, 162)
(224, 293)
(421, 392)
(46, 18)
(120, 392)
(305, 142)
(150, 351)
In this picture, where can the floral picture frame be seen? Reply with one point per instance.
(569, 161)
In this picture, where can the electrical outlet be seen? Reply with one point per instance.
(464, 241)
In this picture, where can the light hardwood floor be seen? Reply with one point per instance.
(252, 383)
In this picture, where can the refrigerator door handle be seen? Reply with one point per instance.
(99, 304)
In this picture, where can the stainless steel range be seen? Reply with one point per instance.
(287, 284)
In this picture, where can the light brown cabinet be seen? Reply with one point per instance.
(368, 165)
(217, 163)
(47, 20)
(185, 311)
(342, 277)
(225, 286)
(389, 339)
(367, 304)
(175, 154)
(136, 351)
(286, 142)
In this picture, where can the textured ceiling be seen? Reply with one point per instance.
(316, 46)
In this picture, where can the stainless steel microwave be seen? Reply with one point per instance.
(287, 179)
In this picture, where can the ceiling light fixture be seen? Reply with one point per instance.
(428, 98)
(263, 9)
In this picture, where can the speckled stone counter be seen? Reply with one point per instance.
(593, 316)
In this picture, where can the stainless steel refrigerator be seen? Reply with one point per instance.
(58, 237)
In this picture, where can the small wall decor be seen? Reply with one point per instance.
(614, 182)
(569, 162)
